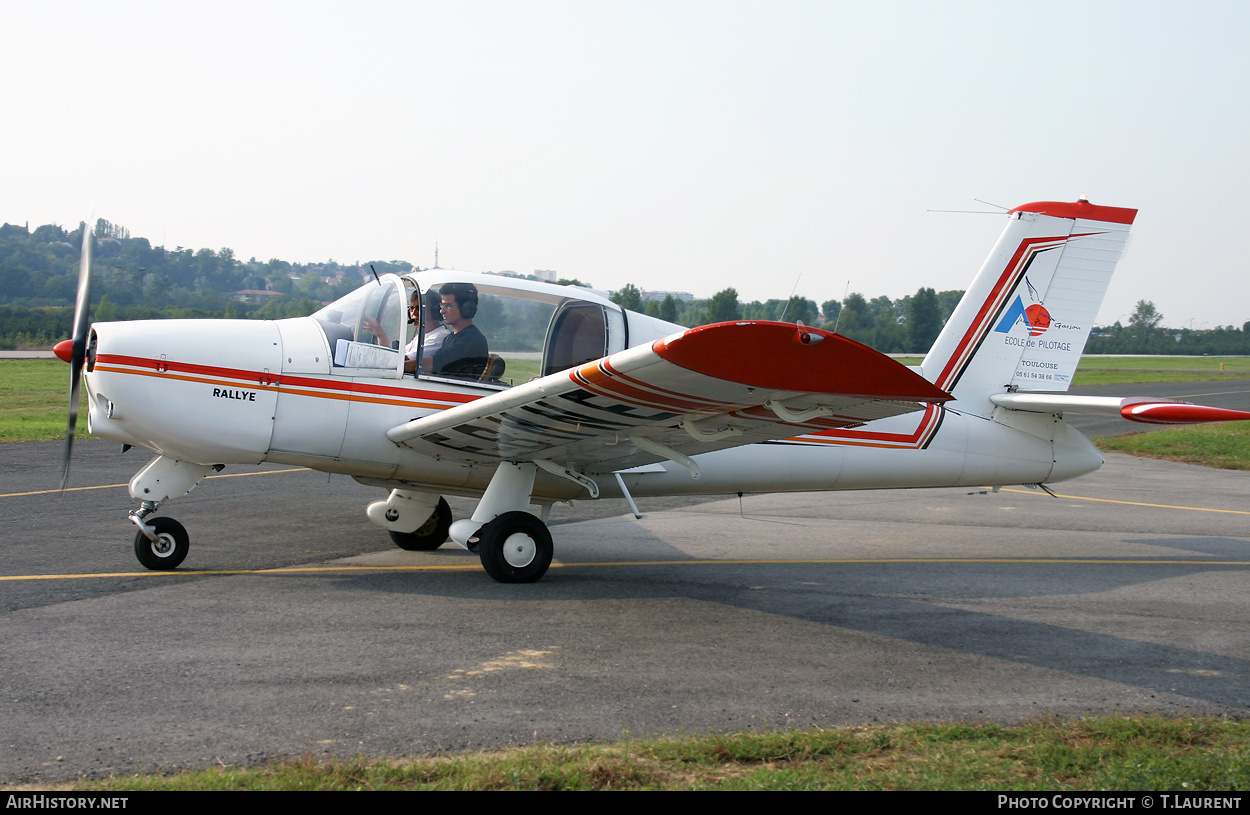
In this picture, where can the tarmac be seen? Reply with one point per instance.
(294, 628)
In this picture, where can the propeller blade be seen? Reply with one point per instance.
(78, 356)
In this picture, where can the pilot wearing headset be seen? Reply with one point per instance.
(464, 351)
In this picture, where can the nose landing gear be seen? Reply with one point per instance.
(162, 543)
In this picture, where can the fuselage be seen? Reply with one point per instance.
(245, 391)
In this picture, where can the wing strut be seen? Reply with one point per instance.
(620, 482)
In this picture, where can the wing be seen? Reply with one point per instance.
(1134, 408)
(701, 390)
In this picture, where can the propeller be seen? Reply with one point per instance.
(78, 347)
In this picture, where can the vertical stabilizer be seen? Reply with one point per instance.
(1024, 321)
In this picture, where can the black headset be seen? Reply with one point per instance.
(466, 297)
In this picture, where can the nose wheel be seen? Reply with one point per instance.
(167, 550)
(515, 548)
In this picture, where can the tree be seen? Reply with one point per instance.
(1145, 318)
(889, 335)
(628, 298)
(800, 309)
(668, 309)
(724, 307)
(830, 309)
(923, 320)
(855, 319)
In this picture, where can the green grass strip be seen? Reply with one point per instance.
(1113, 753)
(1219, 444)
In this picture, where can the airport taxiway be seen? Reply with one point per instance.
(294, 628)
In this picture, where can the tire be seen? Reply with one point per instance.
(515, 548)
(170, 548)
(430, 535)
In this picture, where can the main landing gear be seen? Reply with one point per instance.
(514, 545)
(515, 548)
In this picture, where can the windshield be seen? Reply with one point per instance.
(367, 328)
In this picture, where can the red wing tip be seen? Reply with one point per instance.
(1079, 209)
(784, 356)
(1180, 413)
(64, 350)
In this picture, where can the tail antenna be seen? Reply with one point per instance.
(974, 211)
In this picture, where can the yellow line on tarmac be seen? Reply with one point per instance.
(1039, 493)
(474, 566)
(111, 486)
(288, 570)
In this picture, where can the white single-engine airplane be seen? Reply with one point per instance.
(544, 393)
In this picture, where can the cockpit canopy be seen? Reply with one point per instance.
(509, 330)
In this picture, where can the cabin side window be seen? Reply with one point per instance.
(482, 334)
(578, 335)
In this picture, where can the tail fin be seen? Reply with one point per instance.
(1024, 321)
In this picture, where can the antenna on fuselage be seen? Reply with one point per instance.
(839, 320)
(375, 274)
(782, 318)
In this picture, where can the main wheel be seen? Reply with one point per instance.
(168, 550)
(515, 548)
(430, 535)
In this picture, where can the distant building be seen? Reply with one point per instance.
(547, 275)
(683, 296)
(255, 295)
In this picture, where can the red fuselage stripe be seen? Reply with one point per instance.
(258, 379)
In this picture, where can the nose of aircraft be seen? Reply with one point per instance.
(64, 350)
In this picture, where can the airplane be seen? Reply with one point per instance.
(570, 396)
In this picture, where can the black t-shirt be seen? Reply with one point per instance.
(462, 353)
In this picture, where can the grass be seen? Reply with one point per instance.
(1132, 370)
(34, 397)
(1108, 753)
(520, 371)
(1220, 444)
(1227, 365)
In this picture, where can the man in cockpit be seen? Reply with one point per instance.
(434, 331)
(424, 343)
(465, 351)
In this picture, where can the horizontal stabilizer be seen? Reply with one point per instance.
(1134, 408)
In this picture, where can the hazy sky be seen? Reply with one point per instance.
(675, 145)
